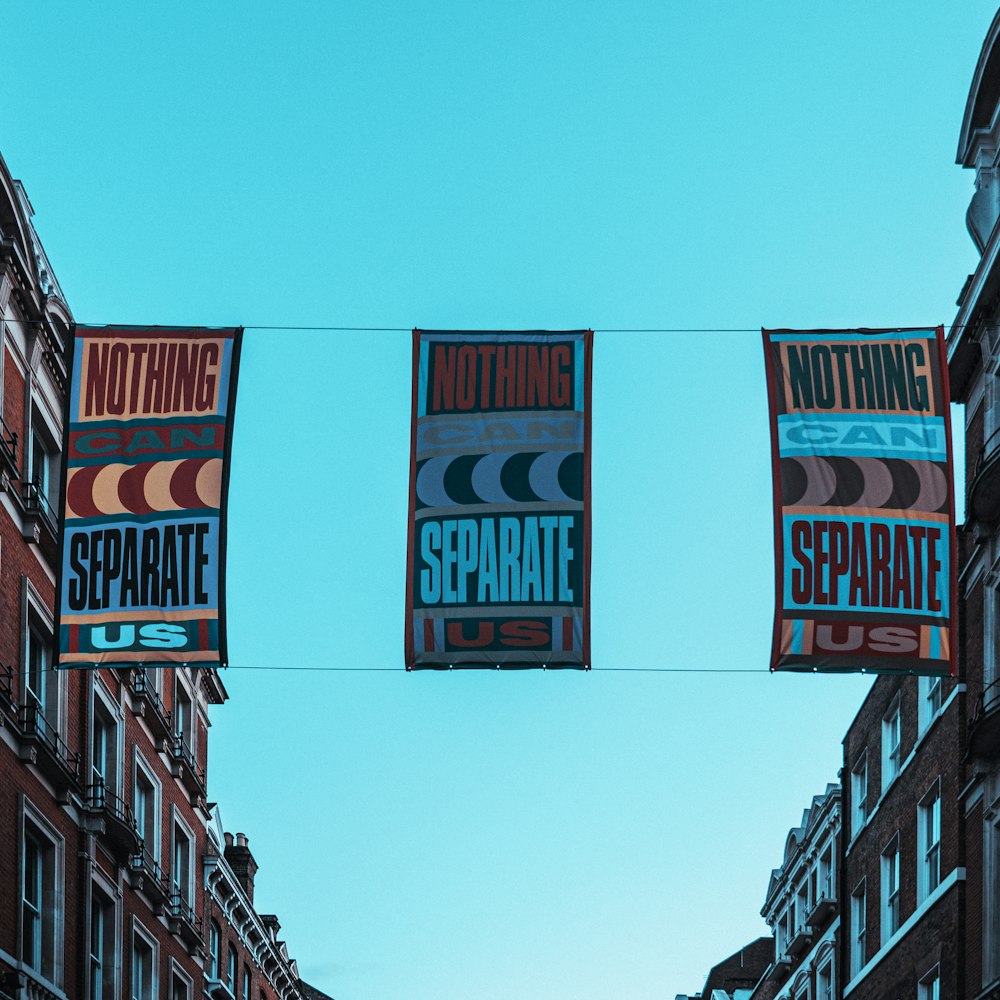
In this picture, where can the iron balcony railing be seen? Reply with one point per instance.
(99, 796)
(6, 686)
(144, 688)
(988, 701)
(8, 444)
(192, 775)
(184, 922)
(33, 723)
(36, 501)
(142, 861)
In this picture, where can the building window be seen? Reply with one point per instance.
(184, 716)
(929, 842)
(929, 987)
(146, 803)
(991, 909)
(43, 471)
(143, 966)
(890, 889)
(103, 750)
(180, 985)
(246, 994)
(101, 960)
(825, 887)
(42, 686)
(930, 699)
(214, 951)
(231, 968)
(181, 869)
(824, 982)
(41, 896)
(859, 794)
(858, 929)
(891, 752)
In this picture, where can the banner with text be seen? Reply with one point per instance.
(147, 435)
(863, 501)
(498, 558)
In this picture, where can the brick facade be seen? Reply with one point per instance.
(116, 877)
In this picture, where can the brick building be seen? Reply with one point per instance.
(974, 363)
(116, 878)
(735, 977)
(801, 907)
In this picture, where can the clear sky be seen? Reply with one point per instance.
(512, 164)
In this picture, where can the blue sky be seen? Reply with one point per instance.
(485, 165)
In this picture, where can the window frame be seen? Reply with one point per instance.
(859, 803)
(892, 755)
(51, 886)
(38, 632)
(109, 959)
(929, 808)
(177, 822)
(141, 766)
(141, 933)
(929, 690)
(891, 894)
(929, 984)
(101, 700)
(859, 927)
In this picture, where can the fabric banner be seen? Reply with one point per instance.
(147, 431)
(498, 558)
(863, 501)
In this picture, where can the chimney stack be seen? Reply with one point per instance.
(241, 861)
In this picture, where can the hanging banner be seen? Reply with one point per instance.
(147, 432)
(863, 501)
(498, 556)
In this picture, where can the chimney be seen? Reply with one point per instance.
(241, 861)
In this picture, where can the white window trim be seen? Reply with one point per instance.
(114, 893)
(140, 930)
(114, 709)
(176, 819)
(34, 611)
(894, 711)
(860, 891)
(139, 763)
(30, 814)
(175, 969)
(925, 718)
(932, 794)
(991, 896)
(860, 766)
(890, 861)
(932, 974)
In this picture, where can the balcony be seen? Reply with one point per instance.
(41, 744)
(822, 909)
(983, 501)
(41, 522)
(8, 448)
(117, 821)
(984, 726)
(7, 690)
(183, 923)
(799, 941)
(147, 703)
(148, 877)
(183, 765)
